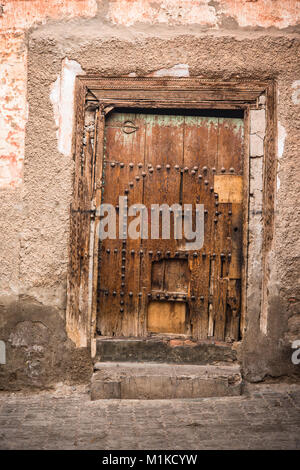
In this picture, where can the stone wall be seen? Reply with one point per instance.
(43, 45)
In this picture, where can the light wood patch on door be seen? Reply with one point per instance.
(229, 188)
(166, 317)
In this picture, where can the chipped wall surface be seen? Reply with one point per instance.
(22, 14)
(13, 113)
(215, 14)
(62, 99)
(17, 16)
(43, 46)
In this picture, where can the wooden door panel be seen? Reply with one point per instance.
(200, 159)
(230, 145)
(78, 309)
(163, 154)
(169, 159)
(120, 263)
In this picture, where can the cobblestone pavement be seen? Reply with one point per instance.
(265, 417)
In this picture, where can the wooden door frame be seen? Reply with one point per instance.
(105, 94)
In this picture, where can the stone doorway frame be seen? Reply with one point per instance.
(96, 96)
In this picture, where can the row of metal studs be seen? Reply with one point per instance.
(150, 295)
(168, 253)
(188, 210)
(168, 167)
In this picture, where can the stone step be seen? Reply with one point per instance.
(147, 381)
(163, 349)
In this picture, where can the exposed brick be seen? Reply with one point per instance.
(245, 13)
(17, 16)
(128, 12)
(21, 14)
(263, 13)
(13, 107)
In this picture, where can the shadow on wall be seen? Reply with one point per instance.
(35, 351)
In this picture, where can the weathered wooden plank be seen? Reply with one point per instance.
(230, 145)
(78, 312)
(200, 153)
(176, 275)
(163, 151)
(119, 287)
(97, 198)
(233, 310)
(219, 257)
(229, 188)
(236, 236)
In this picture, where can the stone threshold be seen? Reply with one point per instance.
(177, 349)
(148, 381)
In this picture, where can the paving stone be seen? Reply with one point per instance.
(249, 421)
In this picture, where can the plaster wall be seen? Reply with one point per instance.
(43, 46)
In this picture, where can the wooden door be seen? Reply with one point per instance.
(148, 285)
